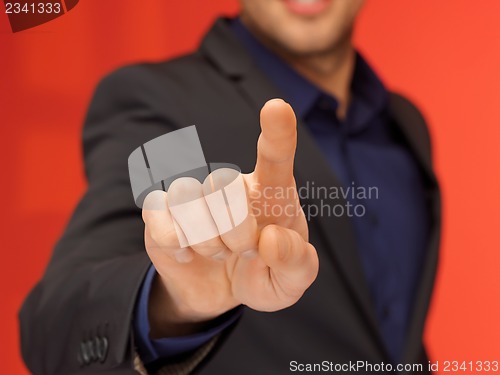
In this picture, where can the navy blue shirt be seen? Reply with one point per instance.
(364, 150)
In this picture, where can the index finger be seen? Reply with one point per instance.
(277, 144)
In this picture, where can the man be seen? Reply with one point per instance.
(118, 295)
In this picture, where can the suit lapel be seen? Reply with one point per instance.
(412, 125)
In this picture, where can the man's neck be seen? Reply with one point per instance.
(332, 72)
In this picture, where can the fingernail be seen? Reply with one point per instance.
(221, 255)
(249, 254)
(183, 256)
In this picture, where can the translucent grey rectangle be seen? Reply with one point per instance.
(174, 153)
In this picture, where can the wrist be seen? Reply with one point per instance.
(168, 318)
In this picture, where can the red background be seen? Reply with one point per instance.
(444, 54)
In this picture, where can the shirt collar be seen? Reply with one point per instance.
(369, 95)
(297, 90)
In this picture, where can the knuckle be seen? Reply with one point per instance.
(154, 201)
(164, 239)
(208, 248)
(219, 179)
(183, 190)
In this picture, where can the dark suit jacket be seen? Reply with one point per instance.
(88, 292)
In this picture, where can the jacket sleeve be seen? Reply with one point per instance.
(77, 319)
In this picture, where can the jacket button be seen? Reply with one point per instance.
(92, 350)
(85, 353)
(102, 346)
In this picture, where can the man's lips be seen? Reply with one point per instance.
(307, 7)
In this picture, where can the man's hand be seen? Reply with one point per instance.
(265, 263)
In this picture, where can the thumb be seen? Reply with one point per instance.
(293, 262)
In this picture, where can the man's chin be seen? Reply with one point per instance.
(305, 47)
